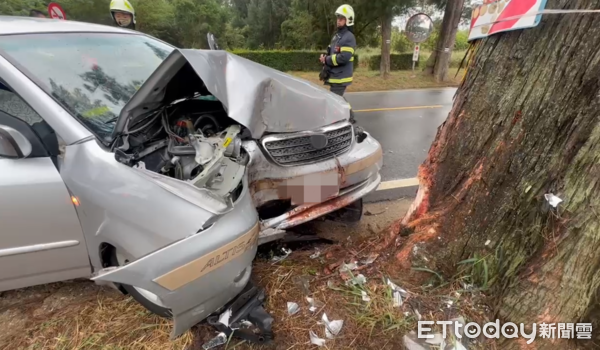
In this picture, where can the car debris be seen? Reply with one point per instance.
(397, 293)
(314, 304)
(314, 339)
(332, 328)
(348, 267)
(303, 283)
(553, 200)
(219, 340)
(356, 280)
(316, 254)
(292, 308)
(245, 317)
(279, 258)
(365, 296)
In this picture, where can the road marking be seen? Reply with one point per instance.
(403, 90)
(396, 108)
(389, 185)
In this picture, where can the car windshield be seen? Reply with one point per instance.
(93, 75)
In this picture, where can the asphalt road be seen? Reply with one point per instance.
(405, 123)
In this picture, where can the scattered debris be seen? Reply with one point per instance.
(419, 317)
(553, 200)
(397, 293)
(365, 296)
(449, 303)
(224, 317)
(488, 242)
(303, 283)
(293, 308)
(370, 259)
(436, 340)
(315, 339)
(216, 341)
(330, 284)
(332, 328)
(286, 253)
(348, 267)
(316, 254)
(360, 280)
(314, 304)
(411, 342)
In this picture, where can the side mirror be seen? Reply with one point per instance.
(13, 144)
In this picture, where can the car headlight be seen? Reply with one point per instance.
(201, 197)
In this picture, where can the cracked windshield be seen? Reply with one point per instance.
(92, 75)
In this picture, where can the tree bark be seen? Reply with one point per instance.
(525, 123)
(452, 16)
(386, 44)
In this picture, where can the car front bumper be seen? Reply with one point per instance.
(357, 171)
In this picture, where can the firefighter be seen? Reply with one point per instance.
(122, 13)
(339, 60)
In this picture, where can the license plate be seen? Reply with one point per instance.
(311, 188)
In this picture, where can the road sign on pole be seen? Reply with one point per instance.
(415, 56)
(56, 12)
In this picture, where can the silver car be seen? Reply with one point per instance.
(160, 170)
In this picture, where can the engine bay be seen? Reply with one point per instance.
(192, 140)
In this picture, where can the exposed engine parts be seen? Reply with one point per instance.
(193, 141)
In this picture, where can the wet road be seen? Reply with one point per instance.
(405, 123)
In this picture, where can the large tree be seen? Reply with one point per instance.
(525, 123)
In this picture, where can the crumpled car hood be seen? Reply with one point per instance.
(260, 98)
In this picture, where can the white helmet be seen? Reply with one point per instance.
(348, 12)
(121, 6)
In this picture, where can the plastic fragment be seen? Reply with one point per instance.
(286, 253)
(437, 339)
(397, 293)
(365, 296)
(370, 259)
(488, 242)
(303, 283)
(314, 304)
(316, 254)
(360, 280)
(411, 342)
(332, 328)
(224, 317)
(315, 339)
(292, 308)
(553, 200)
(216, 341)
(348, 267)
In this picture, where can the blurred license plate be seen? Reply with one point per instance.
(311, 188)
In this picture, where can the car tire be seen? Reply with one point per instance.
(139, 296)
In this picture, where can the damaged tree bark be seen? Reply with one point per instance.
(525, 122)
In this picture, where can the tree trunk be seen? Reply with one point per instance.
(445, 43)
(525, 123)
(386, 44)
(431, 62)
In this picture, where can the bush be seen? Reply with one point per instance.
(286, 61)
(397, 62)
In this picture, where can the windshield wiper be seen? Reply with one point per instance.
(111, 120)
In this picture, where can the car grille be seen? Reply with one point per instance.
(297, 149)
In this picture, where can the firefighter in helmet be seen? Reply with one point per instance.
(339, 60)
(122, 13)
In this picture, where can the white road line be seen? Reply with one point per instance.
(389, 185)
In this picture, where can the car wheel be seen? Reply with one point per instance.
(148, 299)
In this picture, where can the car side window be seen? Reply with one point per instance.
(14, 110)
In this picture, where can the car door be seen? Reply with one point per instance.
(41, 240)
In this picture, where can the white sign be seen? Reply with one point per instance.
(416, 53)
(56, 12)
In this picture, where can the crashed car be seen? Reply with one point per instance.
(160, 170)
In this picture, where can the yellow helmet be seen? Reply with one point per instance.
(121, 6)
(348, 12)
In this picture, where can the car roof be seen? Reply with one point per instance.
(28, 25)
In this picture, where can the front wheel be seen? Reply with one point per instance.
(148, 299)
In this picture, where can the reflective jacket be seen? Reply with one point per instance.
(340, 57)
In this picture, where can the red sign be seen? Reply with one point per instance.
(56, 12)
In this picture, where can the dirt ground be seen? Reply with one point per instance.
(81, 315)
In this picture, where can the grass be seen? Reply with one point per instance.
(369, 80)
